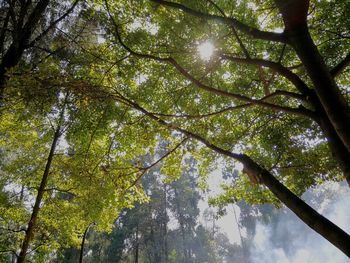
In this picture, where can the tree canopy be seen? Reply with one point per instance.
(87, 89)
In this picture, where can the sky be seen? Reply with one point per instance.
(304, 244)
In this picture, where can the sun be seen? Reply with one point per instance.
(206, 50)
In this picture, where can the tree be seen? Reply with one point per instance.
(272, 96)
(27, 25)
(204, 98)
(86, 164)
(145, 233)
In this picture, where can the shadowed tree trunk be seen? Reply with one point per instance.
(81, 255)
(20, 42)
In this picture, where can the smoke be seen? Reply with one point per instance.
(288, 240)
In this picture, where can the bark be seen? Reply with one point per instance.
(335, 144)
(294, 13)
(311, 217)
(34, 216)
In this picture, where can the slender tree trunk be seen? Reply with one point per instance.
(165, 229)
(137, 245)
(307, 214)
(34, 216)
(181, 223)
(244, 254)
(81, 254)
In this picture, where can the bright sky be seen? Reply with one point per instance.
(226, 223)
(206, 50)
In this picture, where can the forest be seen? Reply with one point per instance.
(130, 129)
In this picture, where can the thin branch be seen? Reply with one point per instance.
(143, 170)
(240, 42)
(199, 84)
(201, 116)
(13, 230)
(298, 111)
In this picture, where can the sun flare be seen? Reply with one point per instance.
(206, 50)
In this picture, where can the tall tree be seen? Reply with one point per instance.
(220, 103)
(27, 25)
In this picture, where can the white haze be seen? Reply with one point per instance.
(296, 242)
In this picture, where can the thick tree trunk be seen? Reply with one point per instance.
(294, 13)
(11, 59)
(328, 92)
(307, 214)
(339, 152)
(335, 144)
(32, 223)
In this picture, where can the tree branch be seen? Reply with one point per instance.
(338, 69)
(143, 170)
(199, 84)
(253, 32)
(298, 111)
(240, 42)
(307, 214)
(298, 83)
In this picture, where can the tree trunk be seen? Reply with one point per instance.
(81, 255)
(294, 13)
(181, 223)
(339, 151)
(165, 222)
(137, 245)
(32, 222)
(307, 214)
(20, 43)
